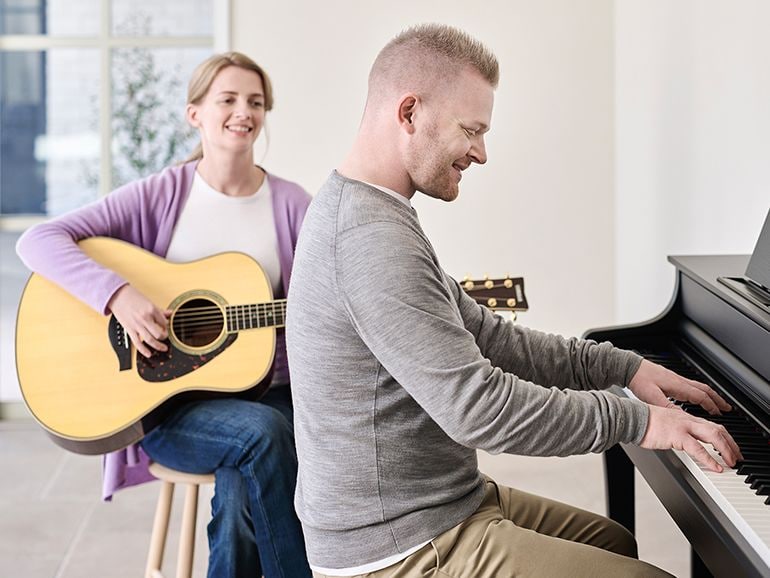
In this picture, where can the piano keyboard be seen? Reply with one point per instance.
(742, 493)
(744, 508)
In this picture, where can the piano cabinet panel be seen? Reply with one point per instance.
(741, 335)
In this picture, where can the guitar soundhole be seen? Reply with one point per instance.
(198, 323)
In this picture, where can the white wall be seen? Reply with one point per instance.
(542, 207)
(692, 101)
(623, 132)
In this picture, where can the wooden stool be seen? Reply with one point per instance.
(168, 479)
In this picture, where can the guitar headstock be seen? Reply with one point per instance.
(506, 294)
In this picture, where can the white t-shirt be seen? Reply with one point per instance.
(212, 222)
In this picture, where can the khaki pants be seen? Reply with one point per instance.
(518, 534)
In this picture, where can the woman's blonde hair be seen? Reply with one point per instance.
(206, 72)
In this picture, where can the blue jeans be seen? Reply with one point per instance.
(249, 445)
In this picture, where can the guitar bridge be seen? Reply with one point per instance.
(120, 342)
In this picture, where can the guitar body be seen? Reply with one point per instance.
(92, 392)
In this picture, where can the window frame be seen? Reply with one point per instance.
(105, 42)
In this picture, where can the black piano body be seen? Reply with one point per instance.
(723, 339)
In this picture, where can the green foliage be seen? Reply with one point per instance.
(148, 130)
(148, 127)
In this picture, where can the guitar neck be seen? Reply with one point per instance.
(254, 316)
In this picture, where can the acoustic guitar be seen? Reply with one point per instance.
(84, 382)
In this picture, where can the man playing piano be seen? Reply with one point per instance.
(398, 383)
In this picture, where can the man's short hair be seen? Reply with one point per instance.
(423, 56)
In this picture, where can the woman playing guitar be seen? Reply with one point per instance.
(216, 201)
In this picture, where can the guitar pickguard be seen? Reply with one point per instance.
(171, 364)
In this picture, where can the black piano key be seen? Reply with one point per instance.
(757, 472)
(749, 455)
(749, 448)
(748, 468)
(749, 444)
(756, 480)
(747, 435)
(745, 467)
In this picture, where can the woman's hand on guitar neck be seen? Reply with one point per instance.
(145, 324)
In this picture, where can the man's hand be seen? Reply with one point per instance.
(654, 384)
(673, 428)
(143, 321)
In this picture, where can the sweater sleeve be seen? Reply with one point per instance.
(290, 204)
(544, 358)
(403, 309)
(132, 213)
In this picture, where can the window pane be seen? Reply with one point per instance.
(22, 17)
(49, 141)
(55, 17)
(22, 121)
(71, 147)
(149, 93)
(74, 17)
(168, 18)
(14, 276)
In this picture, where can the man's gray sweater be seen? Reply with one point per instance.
(398, 377)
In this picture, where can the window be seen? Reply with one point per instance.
(84, 85)
(92, 95)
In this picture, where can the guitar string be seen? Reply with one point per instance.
(233, 317)
(229, 311)
(243, 323)
(273, 304)
(203, 316)
(231, 314)
(214, 318)
(243, 313)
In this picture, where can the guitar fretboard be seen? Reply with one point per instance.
(241, 317)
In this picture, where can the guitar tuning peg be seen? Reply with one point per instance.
(489, 284)
(466, 278)
(468, 284)
(508, 283)
(511, 302)
(513, 316)
(486, 276)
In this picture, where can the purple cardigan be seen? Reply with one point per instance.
(143, 213)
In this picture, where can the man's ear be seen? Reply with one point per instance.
(191, 114)
(407, 111)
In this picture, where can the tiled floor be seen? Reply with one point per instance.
(53, 525)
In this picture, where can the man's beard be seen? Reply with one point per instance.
(430, 170)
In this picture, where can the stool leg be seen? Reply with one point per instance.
(159, 530)
(187, 536)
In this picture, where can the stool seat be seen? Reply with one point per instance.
(169, 478)
(176, 477)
